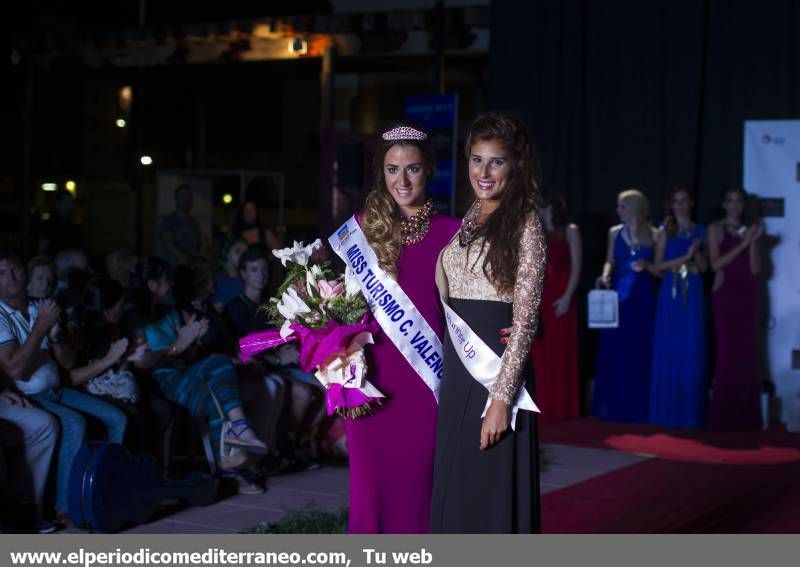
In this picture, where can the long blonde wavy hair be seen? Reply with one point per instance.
(381, 218)
(636, 200)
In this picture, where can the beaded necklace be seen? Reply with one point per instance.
(414, 228)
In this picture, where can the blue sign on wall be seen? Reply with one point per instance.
(439, 115)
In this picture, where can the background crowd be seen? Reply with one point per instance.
(144, 352)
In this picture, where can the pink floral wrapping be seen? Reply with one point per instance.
(315, 346)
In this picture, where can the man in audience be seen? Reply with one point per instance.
(30, 345)
(28, 435)
(304, 395)
(179, 235)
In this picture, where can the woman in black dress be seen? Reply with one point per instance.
(486, 477)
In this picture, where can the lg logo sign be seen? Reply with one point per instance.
(767, 139)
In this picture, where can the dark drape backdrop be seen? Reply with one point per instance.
(625, 93)
(641, 94)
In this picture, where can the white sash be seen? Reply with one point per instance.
(393, 310)
(481, 361)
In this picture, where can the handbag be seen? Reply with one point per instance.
(603, 312)
(120, 385)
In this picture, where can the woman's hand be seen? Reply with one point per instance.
(561, 305)
(115, 351)
(693, 248)
(603, 281)
(190, 332)
(639, 266)
(505, 332)
(495, 424)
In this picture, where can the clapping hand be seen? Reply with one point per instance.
(116, 350)
(190, 332)
(47, 320)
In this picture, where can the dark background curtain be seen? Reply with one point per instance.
(625, 93)
(641, 94)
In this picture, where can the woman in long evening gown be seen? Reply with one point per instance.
(622, 378)
(391, 451)
(734, 254)
(678, 380)
(555, 349)
(486, 474)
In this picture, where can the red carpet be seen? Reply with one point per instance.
(703, 483)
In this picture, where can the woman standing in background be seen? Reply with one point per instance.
(678, 380)
(555, 351)
(624, 358)
(736, 260)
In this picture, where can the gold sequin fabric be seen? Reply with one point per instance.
(462, 267)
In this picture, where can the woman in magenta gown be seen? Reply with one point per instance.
(734, 253)
(391, 451)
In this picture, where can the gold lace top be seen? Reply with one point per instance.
(460, 275)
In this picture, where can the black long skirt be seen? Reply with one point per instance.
(474, 491)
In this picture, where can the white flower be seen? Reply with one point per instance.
(285, 330)
(312, 277)
(288, 254)
(290, 305)
(351, 286)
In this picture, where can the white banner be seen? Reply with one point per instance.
(481, 361)
(393, 310)
(772, 171)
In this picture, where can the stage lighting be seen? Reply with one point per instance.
(146, 160)
(49, 187)
(121, 123)
(298, 46)
(70, 186)
(227, 198)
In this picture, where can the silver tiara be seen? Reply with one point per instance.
(404, 133)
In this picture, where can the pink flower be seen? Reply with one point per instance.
(328, 289)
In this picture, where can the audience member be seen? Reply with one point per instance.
(30, 345)
(41, 277)
(304, 393)
(200, 383)
(178, 234)
(228, 284)
(247, 226)
(119, 264)
(28, 435)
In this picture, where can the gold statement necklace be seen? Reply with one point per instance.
(414, 228)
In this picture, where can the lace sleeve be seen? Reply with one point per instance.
(527, 296)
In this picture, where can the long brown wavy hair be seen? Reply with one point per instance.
(381, 218)
(504, 226)
(670, 222)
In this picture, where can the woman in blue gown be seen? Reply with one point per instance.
(622, 378)
(678, 379)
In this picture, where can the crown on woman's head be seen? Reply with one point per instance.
(404, 133)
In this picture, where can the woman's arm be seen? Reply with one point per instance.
(662, 265)
(608, 268)
(575, 258)
(78, 376)
(527, 297)
(719, 262)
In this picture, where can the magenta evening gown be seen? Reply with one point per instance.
(391, 451)
(736, 397)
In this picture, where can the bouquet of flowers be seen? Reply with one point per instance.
(328, 316)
